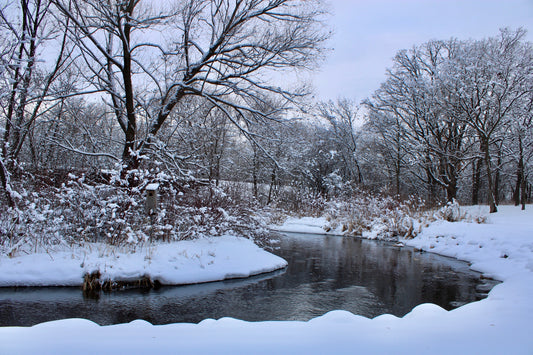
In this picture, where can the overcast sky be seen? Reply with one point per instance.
(368, 33)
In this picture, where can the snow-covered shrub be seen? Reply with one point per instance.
(478, 218)
(275, 216)
(76, 209)
(354, 212)
(300, 202)
(475, 214)
(451, 212)
(333, 183)
(373, 216)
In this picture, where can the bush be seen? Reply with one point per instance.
(451, 212)
(354, 212)
(84, 210)
(373, 216)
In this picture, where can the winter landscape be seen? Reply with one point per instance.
(502, 249)
(174, 150)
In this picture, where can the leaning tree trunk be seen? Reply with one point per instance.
(130, 155)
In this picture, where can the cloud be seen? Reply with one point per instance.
(369, 33)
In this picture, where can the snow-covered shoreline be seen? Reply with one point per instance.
(175, 263)
(500, 324)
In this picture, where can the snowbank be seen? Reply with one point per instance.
(500, 324)
(176, 263)
(308, 225)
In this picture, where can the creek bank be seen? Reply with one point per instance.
(176, 263)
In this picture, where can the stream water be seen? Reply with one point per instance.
(325, 273)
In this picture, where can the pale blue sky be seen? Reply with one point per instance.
(368, 33)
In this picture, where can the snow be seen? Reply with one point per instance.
(176, 263)
(308, 225)
(499, 324)
(152, 187)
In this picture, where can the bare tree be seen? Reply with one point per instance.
(76, 134)
(493, 76)
(460, 104)
(29, 26)
(386, 151)
(522, 128)
(343, 117)
(413, 93)
(220, 50)
(26, 28)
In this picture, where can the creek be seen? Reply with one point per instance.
(325, 273)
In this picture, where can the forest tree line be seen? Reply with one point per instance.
(190, 90)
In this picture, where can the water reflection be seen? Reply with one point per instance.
(325, 273)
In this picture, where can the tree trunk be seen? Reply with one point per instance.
(523, 189)
(497, 187)
(217, 172)
(9, 117)
(397, 179)
(451, 189)
(358, 172)
(519, 175)
(476, 180)
(130, 161)
(4, 182)
(432, 190)
(432, 185)
(398, 165)
(16, 109)
(486, 153)
(272, 182)
(255, 167)
(449, 168)
(497, 179)
(130, 157)
(17, 135)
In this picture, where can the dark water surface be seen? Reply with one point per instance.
(325, 273)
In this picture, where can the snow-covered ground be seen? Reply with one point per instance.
(177, 263)
(309, 225)
(499, 324)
